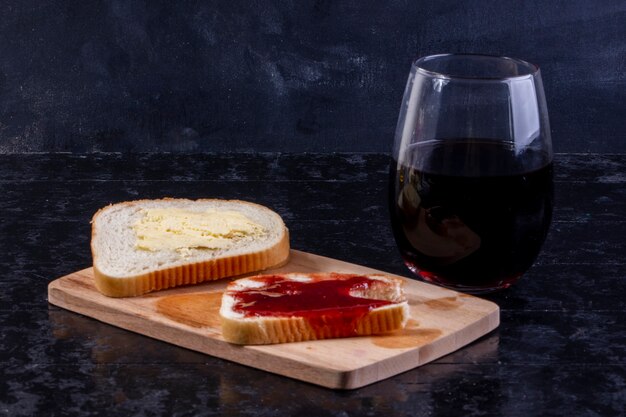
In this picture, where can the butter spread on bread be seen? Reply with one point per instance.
(179, 229)
(134, 252)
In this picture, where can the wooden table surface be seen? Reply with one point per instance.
(560, 348)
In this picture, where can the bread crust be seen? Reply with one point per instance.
(296, 329)
(270, 330)
(193, 272)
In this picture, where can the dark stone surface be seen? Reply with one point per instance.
(310, 75)
(560, 349)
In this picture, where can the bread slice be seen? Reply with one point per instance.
(297, 307)
(124, 268)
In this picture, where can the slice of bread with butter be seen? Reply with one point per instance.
(148, 245)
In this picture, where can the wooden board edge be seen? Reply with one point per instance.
(412, 359)
(325, 377)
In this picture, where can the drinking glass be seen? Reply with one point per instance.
(470, 191)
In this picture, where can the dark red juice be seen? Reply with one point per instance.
(470, 214)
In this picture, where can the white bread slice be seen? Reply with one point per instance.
(251, 328)
(123, 270)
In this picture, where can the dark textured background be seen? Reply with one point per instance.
(131, 75)
(560, 349)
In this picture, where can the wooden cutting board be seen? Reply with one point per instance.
(442, 321)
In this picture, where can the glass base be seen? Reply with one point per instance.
(434, 278)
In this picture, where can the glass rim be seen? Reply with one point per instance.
(533, 69)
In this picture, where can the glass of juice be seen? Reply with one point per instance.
(470, 184)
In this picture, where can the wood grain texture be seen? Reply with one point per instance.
(442, 321)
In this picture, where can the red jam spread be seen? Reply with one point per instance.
(323, 302)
